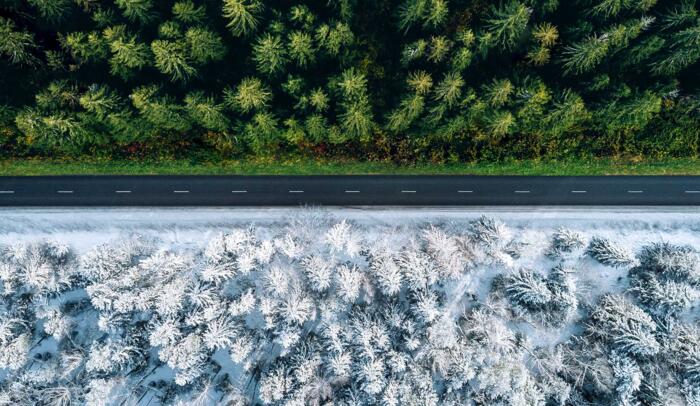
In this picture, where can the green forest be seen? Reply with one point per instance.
(441, 81)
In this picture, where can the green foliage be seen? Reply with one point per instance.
(162, 112)
(250, 95)
(301, 48)
(51, 10)
(356, 118)
(421, 82)
(127, 54)
(429, 13)
(136, 10)
(270, 54)
(100, 101)
(262, 133)
(609, 8)
(684, 51)
(243, 15)
(583, 56)
(172, 59)
(498, 92)
(204, 46)
(508, 23)
(86, 47)
(403, 80)
(407, 112)
(16, 46)
(205, 112)
(334, 38)
(449, 90)
(189, 13)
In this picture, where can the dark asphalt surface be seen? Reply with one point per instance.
(347, 190)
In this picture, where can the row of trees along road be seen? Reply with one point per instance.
(440, 80)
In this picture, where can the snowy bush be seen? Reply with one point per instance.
(331, 311)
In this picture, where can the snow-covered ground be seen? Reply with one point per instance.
(390, 306)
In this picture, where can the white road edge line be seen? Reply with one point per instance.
(64, 191)
(6, 192)
(352, 191)
(635, 191)
(522, 191)
(579, 191)
(408, 191)
(239, 191)
(465, 191)
(296, 191)
(181, 191)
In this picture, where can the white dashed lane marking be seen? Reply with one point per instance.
(6, 192)
(122, 191)
(181, 191)
(408, 191)
(465, 191)
(579, 191)
(239, 191)
(692, 191)
(522, 191)
(352, 191)
(296, 191)
(64, 192)
(635, 191)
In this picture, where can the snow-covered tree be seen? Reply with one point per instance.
(667, 279)
(565, 241)
(628, 378)
(625, 326)
(609, 253)
(316, 310)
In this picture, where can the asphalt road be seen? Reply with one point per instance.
(347, 190)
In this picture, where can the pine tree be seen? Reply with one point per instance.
(187, 12)
(616, 77)
(52, 10)
(139, 10)
(508, 23)
(250, 95)
(204, 46)
(269, 54)
(242, 15)
(127, 54)
(449, 90)
(206, 112)
(430, 13)
(171, 59)
(301, 49)
(17, 46)
(583, 56)
(100, 100)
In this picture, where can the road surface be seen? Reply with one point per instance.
(347, 190)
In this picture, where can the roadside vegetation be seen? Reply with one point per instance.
(304, 166)
(444, 82)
